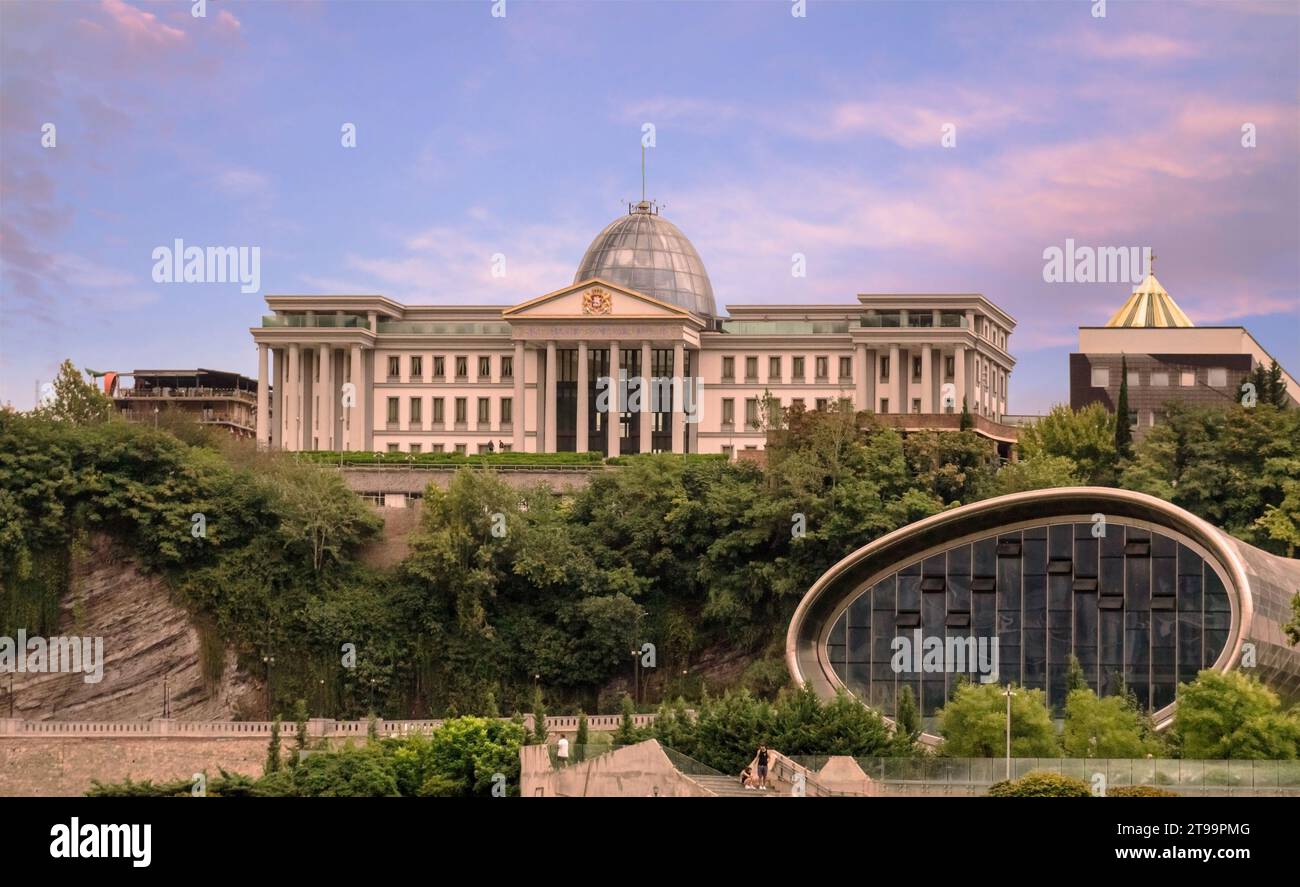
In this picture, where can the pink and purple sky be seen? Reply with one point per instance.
(521, 135)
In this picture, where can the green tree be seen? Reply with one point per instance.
(75, 400)
(581, 738)
(907, 718)
(1075, 679)
(300, 717)
(1233, 715)
(1085, 437)
(273, 759)
(974, 723)
(1123, 429)
(627, 732)
(540, 734)
(1269, 386)
(1103, 728)
(1037, 473)
(966, 423)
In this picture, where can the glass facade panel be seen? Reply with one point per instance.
(1143, 616)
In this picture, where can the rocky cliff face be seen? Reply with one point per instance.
(151, 647)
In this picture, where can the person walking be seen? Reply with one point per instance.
(562, 751)
(762, 767)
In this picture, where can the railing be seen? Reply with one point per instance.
(327, 321)
(316, 727)
(1163, 772)
(689, 765)
(444, 329)
(163, 393)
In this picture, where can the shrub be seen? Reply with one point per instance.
(1140, 791)
(1041, 784)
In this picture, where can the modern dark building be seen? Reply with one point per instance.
(1168, 359)
(1141, 592)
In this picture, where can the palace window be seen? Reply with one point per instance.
(439, 416)
(507, 410)
(417, 368)
(508, 367)
(462, 367)
(751, 412)
(846, 368)
(417, 412)
(439, 367)
(394, 367)
(484, 411)
(728, 412)
(884, 369)
(728, 369)
(393, 411)
(751, 369)
(796, 370)
(485, 367)
(774, 369)
(462, 410)
(822, 366)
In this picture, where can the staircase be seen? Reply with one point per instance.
(730, 787)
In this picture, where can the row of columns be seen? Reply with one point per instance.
(872, 384)
(294, 365)
(613, 425)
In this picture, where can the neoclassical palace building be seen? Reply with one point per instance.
(363, 372)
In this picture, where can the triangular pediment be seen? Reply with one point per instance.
(592, 300)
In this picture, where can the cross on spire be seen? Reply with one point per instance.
(1151, 263)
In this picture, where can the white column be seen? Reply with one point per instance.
(614, 416)
(959, 375)
(263, 401)
(293, 415)
(277, 398)
(861, 375)
(927, 402)
(647, 417)
(325, 354)
(897, 381)
(679, 394)
(552, 377)
(357, 412)
(518, 413)
(584, 418)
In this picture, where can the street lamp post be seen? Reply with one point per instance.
(269, 662)
(1007, 693)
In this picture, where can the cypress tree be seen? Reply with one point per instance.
(539, 718)
(1123, 431)
(272, 764)
(967, 423)
(907, 719)
(580, 740)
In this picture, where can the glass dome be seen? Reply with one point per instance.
(646, 252)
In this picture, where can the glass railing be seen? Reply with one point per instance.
(1161, 772)
(444, 329)
(784, 327)
(319, 321)
(914, 321)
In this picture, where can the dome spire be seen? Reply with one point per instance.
(1149, 305)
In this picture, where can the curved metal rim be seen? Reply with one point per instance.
(1220, 544)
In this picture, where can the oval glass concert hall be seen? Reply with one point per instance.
(1141, 592)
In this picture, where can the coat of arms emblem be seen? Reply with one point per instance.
(596, 302)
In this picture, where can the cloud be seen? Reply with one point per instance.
(140, 26)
